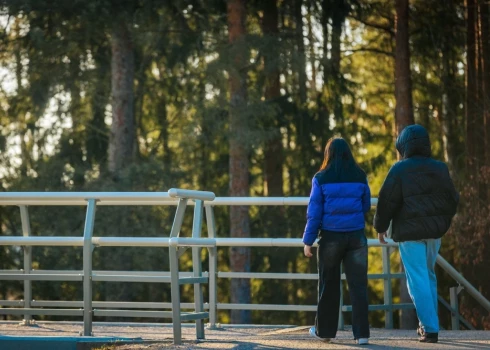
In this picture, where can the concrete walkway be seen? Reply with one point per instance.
(126, 336)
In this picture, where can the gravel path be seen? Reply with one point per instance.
(244, 338)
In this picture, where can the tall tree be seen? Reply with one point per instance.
(324, 107)
(335, 80)
(449, 86)
(403, 81)
(273, 153)
(122, 137)
(301, 54)
(403, 114)
(484, 10)
(471, 86)
(239, 154)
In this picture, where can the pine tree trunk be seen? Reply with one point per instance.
(239, 156)
(312, 40)
(403, 80)
(485, 39)
(273, 152)
(339, 10)
(122, 137)
(75, 147)
(97, 143)
(302, 119)
(403, 117)
(471, 87)
(301, 57)
(323, 105)
(480, 111)
(164, 134)
(449, 101)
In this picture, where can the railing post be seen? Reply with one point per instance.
(340, 325)
(453, 298)
(26, 232)
(197, 266)
(179, 218)
(87, 267)
(387, 290)
(174, 272)
(213, 268)
(175, 294)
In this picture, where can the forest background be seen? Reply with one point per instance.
(239, 98)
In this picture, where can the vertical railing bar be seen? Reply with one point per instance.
(87, 267)
(387, 287)
(213, 268)
(179, 218)
(387, 290)
(174, 271)
(26, 232)
(197, 266)
(340, 324)
(453, 299)
(175, 295)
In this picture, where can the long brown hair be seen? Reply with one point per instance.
(339, 156)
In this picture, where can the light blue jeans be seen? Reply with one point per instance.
(419, 259)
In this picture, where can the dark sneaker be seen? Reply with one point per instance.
(313, 334)
(429, 338)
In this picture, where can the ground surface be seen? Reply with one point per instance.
(145, 336)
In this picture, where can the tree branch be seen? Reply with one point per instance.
(386, 29)
(370, 49)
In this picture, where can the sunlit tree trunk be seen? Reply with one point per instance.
(403, 80)
(239, 156)
(122, 137)
(403, 117)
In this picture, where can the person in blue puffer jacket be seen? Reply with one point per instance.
(339, 199)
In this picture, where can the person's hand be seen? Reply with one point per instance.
(381, 237)
(307, 251)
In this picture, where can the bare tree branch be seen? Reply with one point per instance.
(370, 49)
(384, 28)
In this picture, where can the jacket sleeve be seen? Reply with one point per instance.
(390, 200)
(314, 213)
(366, 199)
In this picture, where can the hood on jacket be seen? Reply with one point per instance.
(413, 141)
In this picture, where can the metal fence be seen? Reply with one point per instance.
(202, 202)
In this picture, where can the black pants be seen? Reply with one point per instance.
(351, 249)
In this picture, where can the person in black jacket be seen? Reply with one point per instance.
(419, 198)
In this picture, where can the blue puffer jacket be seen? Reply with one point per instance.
(337, 203)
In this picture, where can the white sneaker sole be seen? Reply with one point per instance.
(362, 341)
(312, 332)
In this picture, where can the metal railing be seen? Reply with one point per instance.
(202, 201)
(87, 276)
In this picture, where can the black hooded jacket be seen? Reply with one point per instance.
(418, 193)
